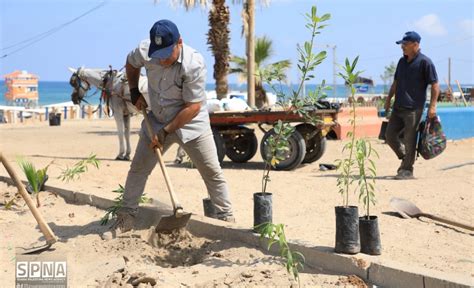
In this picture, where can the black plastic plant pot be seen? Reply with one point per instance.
(209, 209)
(262, 209)
(347, 230)
(55, 119)
(370, 235)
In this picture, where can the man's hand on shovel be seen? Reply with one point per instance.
(179, 219)
(158, 140)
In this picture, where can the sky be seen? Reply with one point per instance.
(364, 28)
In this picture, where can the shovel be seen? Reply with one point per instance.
(409, 210)
(47, 232)
(179, 219)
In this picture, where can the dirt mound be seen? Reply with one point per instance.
(139, 258)
(352, 281)
(179, 248)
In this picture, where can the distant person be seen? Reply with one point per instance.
(414, 73)
(176, 86)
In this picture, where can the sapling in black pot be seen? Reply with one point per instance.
(277, 144)
(347, 217)
(368, 225)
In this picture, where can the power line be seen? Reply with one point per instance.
(32, 40)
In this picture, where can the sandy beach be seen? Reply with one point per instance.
(303, 200)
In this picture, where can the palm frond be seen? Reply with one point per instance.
(30, 173)
(263, 50)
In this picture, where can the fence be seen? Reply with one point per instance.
(22, 115)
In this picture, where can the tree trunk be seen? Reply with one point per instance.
(251, 54)
(260, 96)
(218, 39)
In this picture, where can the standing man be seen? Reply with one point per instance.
(414, 73)
(176, 86)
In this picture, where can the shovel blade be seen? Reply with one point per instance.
(34, 250)
(404, 207)
(169, 223)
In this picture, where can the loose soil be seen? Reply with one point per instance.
(141, 258)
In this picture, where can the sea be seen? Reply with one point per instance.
(51, 92)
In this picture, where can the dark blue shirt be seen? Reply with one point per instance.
(412, 80)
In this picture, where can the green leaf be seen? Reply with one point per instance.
(31, 174)
(313, 11)
(80, 167)
(354, 63)
(325, 17)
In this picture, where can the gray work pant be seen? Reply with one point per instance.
(406, 121)
(203, 154)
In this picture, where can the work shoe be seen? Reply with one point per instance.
(226, 218)
(403, 174)
(125, 222)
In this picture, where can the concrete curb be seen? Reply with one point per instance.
(385, 274)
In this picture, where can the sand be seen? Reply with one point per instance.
(303, 200)
(175, 260)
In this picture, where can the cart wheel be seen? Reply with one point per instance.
(315, 146)
(241, 147)
(220, 144)
(293, 157)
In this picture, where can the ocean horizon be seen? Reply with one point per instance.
(51, 92)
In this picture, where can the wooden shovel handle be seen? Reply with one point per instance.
(446, 221)
(178, 209)
(45, 229)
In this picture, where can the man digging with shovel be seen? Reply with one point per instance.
(176, 86)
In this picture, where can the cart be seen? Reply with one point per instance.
(239, 143)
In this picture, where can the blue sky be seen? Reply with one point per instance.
(365, 28)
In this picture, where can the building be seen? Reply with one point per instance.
(22, 89)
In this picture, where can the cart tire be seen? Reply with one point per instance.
(241, 147)
(294, 156)
(220, 144)
(315, 146)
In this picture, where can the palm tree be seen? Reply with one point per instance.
(387, 76)
(218, 39)
(263, 51)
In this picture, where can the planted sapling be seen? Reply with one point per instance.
(346, 166)
(79, 168)
(36, 178)
(118, 202)
(275, 233)
(367, 173)
(278, 142)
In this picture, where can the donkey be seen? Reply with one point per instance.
(116, 95)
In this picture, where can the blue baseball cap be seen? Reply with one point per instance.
(410, 36)
(163, 37)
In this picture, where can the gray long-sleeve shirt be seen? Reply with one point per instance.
(170, 88)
